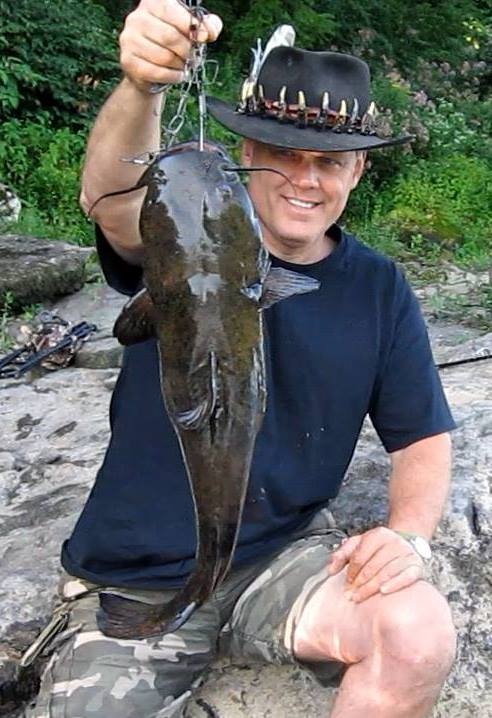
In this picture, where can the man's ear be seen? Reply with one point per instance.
(247, 152)
(360, 164)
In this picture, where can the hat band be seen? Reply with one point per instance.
(322, 117)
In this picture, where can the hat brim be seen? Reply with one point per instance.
(283, 134)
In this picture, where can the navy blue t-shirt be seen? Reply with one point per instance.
(356, 346)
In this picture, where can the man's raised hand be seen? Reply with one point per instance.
(377, 561)
(155, 42)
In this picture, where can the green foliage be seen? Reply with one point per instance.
(449, 131)
(430, 63)
(116, 9)
(446, 201)
(244, 22)
(403, 31)
(43, 166)
(57, 56)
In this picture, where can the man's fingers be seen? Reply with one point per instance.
(394, 576)
(143, 71)
(163, 35)
(156, 41)
(372, 542)
(408, 576)
(341, 556)
(213, 25)
(171, 12)
(179, 16)
(385, 555)
(369, 544)
(150, 53)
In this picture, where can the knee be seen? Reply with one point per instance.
(415, 628)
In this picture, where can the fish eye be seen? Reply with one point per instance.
(224, 191)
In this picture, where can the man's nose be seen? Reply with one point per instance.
(305, 175)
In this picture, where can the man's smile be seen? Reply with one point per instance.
(302, 203)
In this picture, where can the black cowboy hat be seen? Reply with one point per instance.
(308, 101)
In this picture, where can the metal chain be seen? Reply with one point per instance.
(195, 76)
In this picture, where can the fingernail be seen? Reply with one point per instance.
(215, 22)
(349, 594)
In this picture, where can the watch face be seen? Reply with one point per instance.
(422, 547)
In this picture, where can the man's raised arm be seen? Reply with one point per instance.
(154, 46)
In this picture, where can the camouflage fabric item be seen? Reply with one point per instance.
(90, 675)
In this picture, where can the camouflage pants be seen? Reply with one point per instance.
(251, 616)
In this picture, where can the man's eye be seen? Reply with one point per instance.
(284, 153)
(330, 162)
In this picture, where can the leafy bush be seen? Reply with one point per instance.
(431, 72)
(55, 55)
(43, 166)
(448, 201)
(403, 31)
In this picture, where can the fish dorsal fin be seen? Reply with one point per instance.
(283, 283)
(136, 323)
(206, 391)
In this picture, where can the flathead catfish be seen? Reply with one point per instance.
(207, 276)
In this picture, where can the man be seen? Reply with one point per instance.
(358, 345)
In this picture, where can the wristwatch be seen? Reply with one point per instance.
(419, 544)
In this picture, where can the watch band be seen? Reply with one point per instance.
(419, 544)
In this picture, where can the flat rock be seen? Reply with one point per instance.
(34, 270)
(55, 430)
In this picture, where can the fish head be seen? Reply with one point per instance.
(191, 185)
(198, 211)
(230, 223)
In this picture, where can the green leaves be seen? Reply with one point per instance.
(59, 56)
(43, 164)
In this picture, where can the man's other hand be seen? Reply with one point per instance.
(155, 41)
(377, 561)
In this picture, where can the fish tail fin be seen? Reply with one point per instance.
(121, 617)
(125, 618)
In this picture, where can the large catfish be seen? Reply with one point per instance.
(207, 277)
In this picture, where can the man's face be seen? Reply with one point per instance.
(295, 214)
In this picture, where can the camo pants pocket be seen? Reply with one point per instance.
(91, 675)
(261, 625)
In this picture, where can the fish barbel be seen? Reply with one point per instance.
(207, 276)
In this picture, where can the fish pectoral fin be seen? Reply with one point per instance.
(205, 389)
(253, 291)
(136, 323)
(193, 418)
(282, 283)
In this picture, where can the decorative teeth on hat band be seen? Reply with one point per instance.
(253, 102)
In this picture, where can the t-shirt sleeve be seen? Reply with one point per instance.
(120, 275)
(408, 402)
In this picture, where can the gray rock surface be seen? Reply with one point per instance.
(54, 431)
(34, 270)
